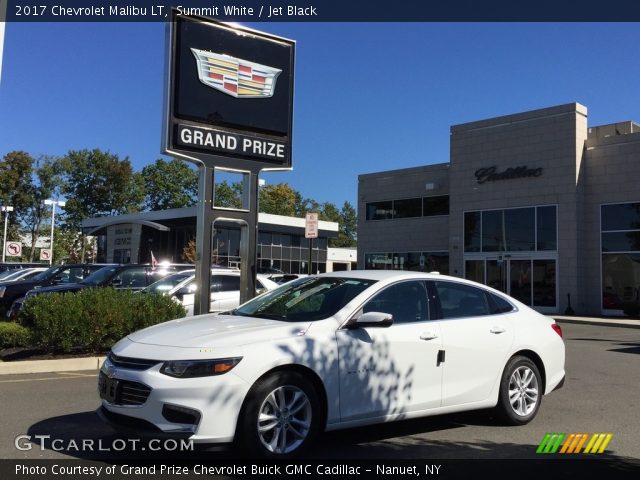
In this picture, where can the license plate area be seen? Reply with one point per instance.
(108, 388)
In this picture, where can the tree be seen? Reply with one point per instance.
(280, 199)
(46, 185)
(171, 184)
(348, 236)
(228, 195)
(98, 183)
(16, 169)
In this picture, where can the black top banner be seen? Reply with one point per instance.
(323, 10)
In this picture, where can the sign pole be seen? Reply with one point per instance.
(4, 243)
(310, 270)
(205, 219)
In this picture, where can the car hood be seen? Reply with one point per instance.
(67, 287)
(208, 331)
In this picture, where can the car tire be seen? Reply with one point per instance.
(520, 391)
(281, 416)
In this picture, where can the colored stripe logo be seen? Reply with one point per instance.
(574, 442)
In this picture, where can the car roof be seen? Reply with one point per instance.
(383, 274)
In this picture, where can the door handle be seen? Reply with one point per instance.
(498, 330)
(428, 336)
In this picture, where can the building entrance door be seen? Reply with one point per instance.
(511, 276)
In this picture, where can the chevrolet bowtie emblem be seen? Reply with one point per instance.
(234, 76)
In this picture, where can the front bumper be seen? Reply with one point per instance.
(203, 409)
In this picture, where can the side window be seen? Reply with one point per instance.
(229, 283)
(69, 275)
(406, 301)
(459, 300)
(498, 304)
(132, 278)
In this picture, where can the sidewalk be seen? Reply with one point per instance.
(607, 322)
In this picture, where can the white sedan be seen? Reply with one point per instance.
(334, 351)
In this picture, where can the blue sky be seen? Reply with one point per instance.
(368, 97)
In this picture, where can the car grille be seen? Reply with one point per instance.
(132, 363)
(122, 392)
(132, 393)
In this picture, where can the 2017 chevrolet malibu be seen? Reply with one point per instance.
(334, 351)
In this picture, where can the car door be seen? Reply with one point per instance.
(392, 370)
(476, 339)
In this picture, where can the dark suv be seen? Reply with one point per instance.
(129, 277)
(56, 275)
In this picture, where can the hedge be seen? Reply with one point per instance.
(14, 335)
(93, 319)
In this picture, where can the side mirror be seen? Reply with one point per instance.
(372, 319)
(116, 282)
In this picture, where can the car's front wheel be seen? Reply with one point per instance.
(281, 416)
(520, 391)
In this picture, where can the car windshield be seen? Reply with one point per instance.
(305, 299)
(99, 277)
(168, 282)
(49, 272)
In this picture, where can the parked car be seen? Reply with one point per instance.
(20, 274)
(334, 351)
(56, 275)
(128, 276)
(225, 290)
(4, 266)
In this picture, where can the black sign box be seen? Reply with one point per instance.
(233, 83)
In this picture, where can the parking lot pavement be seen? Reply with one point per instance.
(600, 395)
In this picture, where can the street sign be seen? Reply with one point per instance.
(14, 249)
(45, 254)
(311, 225)
(229, 98)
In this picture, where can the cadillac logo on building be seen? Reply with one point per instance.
(491, 174)
(234, 76)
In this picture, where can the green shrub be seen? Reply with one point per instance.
(93, 319)
(14, 335)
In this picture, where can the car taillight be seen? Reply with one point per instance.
(557, 329)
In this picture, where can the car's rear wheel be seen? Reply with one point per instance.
(281, 416)
(520, 391)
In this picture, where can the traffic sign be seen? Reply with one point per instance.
(13, 249)
(45, 254)
(311, 225)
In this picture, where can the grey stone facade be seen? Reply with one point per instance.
(579, 168)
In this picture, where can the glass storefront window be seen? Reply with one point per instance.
(492, 231)
(474, 270)
(547, 228)
(621, 241)
(622, 216)
(544, 283)
(407, 208)
(380, 210)
(472, 231)
(432, 206)
(511, 230)
(620, 279)
(519, 230)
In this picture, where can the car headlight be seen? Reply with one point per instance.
(198, 368)
(2, 289)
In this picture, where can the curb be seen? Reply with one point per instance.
(600, 323)
(51, 366)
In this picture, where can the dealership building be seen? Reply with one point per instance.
(282, 245)
(537, 204)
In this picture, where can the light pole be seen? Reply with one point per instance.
(53, 204)
(6, 211)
